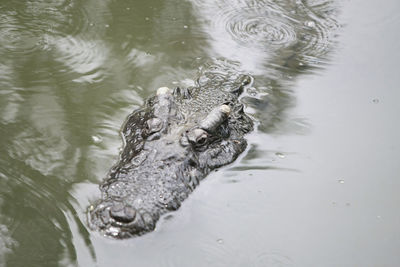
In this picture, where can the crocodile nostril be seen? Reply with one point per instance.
(122, 213)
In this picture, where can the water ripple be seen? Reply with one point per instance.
(84, 57)
(258, 27)
(283, 29)
(25, 26)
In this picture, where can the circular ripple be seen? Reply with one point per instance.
(15, 38)
(60, 17)
(319, 27)
(303, 30)
(85, 59)
(263, 27)
(260, 30)
(26, 26)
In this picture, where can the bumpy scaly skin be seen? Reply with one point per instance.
(170, 145)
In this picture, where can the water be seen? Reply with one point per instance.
(324, 99)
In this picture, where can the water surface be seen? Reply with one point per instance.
(318, 185)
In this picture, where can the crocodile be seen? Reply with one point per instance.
(170, 144)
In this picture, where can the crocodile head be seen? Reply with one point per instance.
(170, 145)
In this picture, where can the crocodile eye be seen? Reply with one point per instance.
(197, 137)
(154, 125)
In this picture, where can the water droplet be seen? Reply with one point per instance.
(97, 139)
(220, 241)
(280, 155)
(375, 101)
(341, 181)
(310, 24)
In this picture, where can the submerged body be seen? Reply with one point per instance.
(170, 145)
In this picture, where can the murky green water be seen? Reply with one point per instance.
(318, 187)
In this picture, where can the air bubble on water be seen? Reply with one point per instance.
(341, 181)
(280, 155)
(220, 241)
(97, 139)
(185, 26)
(183, 42)
(375, 101)
(91, 24)
(310, 24)
(147, 18)
(107, 26)
(128, 8)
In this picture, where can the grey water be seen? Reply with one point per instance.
(318, 186)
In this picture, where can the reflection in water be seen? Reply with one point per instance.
(258, 33)
(85, 58)
(24, 25)
(7, 244)
(72, 70)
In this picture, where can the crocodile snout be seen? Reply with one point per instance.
(120, 220)
(123, 214)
